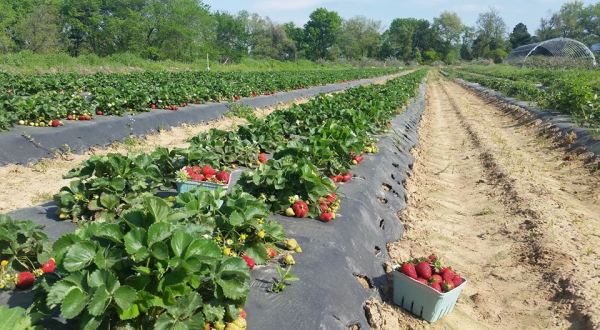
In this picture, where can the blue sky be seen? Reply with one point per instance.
(513, 11)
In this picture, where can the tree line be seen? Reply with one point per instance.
(188, 30)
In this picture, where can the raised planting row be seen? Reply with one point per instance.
(184, 261)
(574, 92)
(47, 100)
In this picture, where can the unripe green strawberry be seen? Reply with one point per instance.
(289, 212)
(289, 259)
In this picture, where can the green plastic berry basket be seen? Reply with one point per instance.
(186, 186)
(422, 300)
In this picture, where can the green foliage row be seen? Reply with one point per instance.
(574, 92)
(40, 98)
(141, 261)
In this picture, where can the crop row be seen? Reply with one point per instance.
(142, 261)
(574, 92)
(37, 100)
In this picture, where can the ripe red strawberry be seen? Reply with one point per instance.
(358, 159)
(208, 171)
(82, 117)
(436, 286)
(70, 117)
(25, 280)
(346, 177)
(197, 177)
(447, 274)
(183, 104)
(222, 176)
(249, 261)
(457, 280)
(271, 252)
(422, 280)
(243, 314)
(435, 278)
(262, 157)
(55, 123)
(409, 270)
(423, 270)
(326, 216)
(323, 207)
(300, 209)
(432, 258)
(331, 197)
(336, 178)
(99, 111)
(49, 266)
(447, 286)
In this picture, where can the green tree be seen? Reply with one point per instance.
(39, 30)
(466, 48)
(519, 36)
(7, 17)
(407, 35)
(321, 32)
(81, 20)
(490, 35)
(268, 40)
(296, 34)
(231, 38)
(449, 27)
(573, 20)
(178, 29)
(359, 38)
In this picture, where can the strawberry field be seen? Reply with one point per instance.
(144, 256)
(46, 100)
(574, 92)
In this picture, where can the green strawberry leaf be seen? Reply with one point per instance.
(233, 276)
(99, 302)
(73, 303)
(79, 256)
(125, 296)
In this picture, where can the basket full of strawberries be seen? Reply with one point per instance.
(191, 177)
(427, 289)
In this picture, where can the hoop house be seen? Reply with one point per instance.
(564, 49)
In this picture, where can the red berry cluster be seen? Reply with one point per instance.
(429, 271)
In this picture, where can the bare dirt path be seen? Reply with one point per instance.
(504, 207)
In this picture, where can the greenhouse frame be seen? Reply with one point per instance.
(562, 48)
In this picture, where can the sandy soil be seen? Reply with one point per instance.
(506, 208)
(23, 186)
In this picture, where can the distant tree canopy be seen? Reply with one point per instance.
(575, 21)
(188, 30)
(519, 36)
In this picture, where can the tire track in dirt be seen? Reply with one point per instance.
(559, 198)
(482, 196)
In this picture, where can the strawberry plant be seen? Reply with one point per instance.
(285, 277)
(24, 253)
(278, 180)
(145, 269)
(23, 244)
(108, 185)
(237, 221)
(218, 148)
